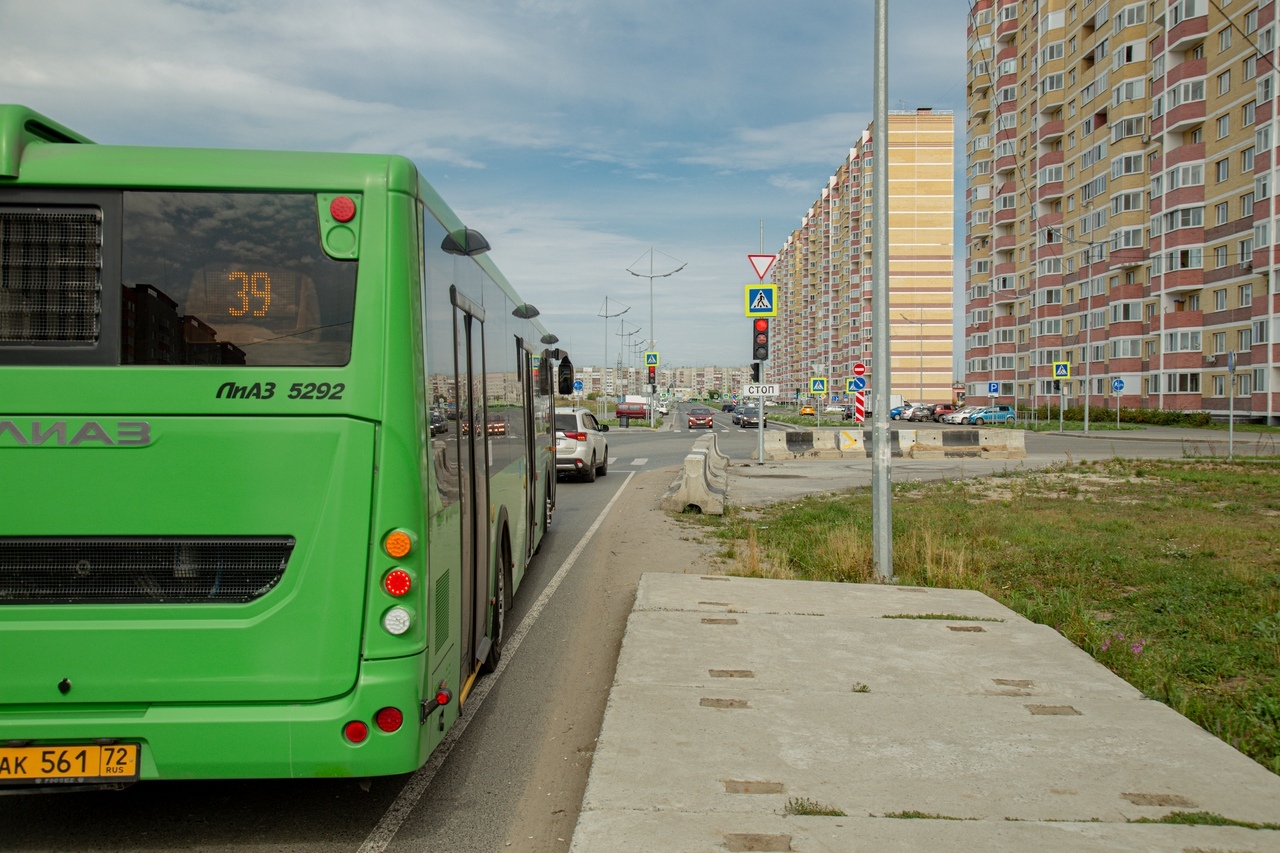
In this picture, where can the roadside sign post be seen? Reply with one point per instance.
(1117, 385)
(761, 301)
(818, 389)
(577, 388)
(1231, 403)
(651, 362)
(1061, 373)
(857, 387)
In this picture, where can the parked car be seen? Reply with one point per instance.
(895, 414)
(663, 408)
(960, 416)
(750, 417)
(994, 415)
(941, 409)
(700, 417)
(581, 447)
(634, 411)
(727, 407)
(919, 412)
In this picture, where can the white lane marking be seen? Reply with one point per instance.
(641, 461)
(418, 783)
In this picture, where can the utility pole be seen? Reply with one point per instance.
(653, 341)
(605, 366)
(881, 494)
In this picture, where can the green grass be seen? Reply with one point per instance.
(1204, 819)
(804, 806)
(1167, 572)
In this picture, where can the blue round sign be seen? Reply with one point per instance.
(1117, 384)
(577, 384)
(859, 382)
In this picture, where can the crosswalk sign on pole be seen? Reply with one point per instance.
(761, 300)
(1062, 370)
(818, 385)
(650, 359)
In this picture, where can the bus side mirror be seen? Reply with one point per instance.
(564, 380)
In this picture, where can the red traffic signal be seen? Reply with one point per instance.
(653, 375)
(760, 339)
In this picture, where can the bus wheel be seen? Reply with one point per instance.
(498, 612)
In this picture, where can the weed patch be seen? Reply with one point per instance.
(1166, 571)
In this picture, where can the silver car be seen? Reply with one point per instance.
(581, 447)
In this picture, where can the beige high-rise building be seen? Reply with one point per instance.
(1120, 177)
(824, 277)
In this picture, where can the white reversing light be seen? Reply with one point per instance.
(397, 620)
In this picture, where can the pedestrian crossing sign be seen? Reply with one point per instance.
(1062, 370)
(818, 385)
(651, 359)
(761, 300)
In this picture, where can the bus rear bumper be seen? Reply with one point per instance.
(229, 741)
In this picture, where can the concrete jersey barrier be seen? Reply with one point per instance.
(911, 443)
(703, 481)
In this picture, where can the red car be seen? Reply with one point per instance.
(700, 418)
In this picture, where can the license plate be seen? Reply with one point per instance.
(116, 762)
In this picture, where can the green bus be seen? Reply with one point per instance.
(237, 537)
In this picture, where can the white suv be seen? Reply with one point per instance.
(581, 447)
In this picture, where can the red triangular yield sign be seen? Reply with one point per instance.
(761, 264)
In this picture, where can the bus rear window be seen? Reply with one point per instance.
(231, 278)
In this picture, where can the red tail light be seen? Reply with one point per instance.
(356, 731)
(576, 436)
(389, 719)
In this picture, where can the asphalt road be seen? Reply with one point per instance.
(513, 778)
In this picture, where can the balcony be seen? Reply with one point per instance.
(1186, 31)
(1050, 131)
(1181, 117)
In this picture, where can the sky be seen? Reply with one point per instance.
(578, 136)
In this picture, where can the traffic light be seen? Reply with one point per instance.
(760, 338)
(653, 375)
(755, 372)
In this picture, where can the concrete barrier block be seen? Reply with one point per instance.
(826, 444)
(696, 486)
(927, 445)
(852, 443)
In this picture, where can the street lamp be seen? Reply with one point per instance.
(653, 339)
(606, 315)
(919, 324)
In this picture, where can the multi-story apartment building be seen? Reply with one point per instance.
(690, 381)
(1119, 202)
(824, 270)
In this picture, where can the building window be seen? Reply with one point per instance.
(1220, 300)
(1221, 213)
(1224, 82)
(1246, 295)
(1222, 169)
(1224, 126)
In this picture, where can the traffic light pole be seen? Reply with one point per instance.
(760, 420)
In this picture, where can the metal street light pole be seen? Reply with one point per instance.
(606, 315)
(881, 346)
(653, 339)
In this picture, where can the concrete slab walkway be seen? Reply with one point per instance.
(734, 697)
